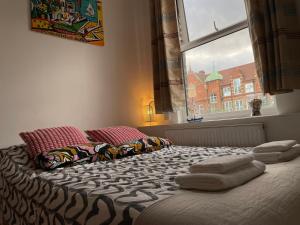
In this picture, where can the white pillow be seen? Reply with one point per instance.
(275, 146)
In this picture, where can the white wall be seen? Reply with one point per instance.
(47, 81)
(289, 102)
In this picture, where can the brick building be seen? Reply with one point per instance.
(223, 91)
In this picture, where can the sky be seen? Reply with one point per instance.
(224, 53)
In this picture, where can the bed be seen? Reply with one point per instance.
(270, 199)
(108, 193)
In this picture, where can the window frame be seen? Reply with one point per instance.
(240, 105)
(252, 89)
(226, 89)
(186, 45)
(213, 99)
(237, 88)
(228, 106)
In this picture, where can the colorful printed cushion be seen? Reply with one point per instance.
(116, 135)
(77, 154)
(143, 145)
(43, 140)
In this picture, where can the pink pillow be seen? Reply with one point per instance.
(116, 135)
(44, 140)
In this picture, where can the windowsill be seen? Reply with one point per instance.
(227, 119)
(276, 127)
(272, 111)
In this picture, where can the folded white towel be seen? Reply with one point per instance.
(221, 164)
(275, 146)
(218, 182)
(277, 157)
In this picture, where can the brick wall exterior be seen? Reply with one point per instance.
(199, 91)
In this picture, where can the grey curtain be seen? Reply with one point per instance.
(167, 68)
(275, 33)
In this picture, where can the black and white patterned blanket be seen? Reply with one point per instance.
(107, 193)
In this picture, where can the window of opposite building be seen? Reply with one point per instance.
(226, 91)
(249, 87)
(228, 106)
(237, 86)
(216, 50)
(213, 108)
(213, 98)
(238, 104)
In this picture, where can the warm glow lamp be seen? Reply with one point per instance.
(150, 111)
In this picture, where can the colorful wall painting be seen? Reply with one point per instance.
(80, 20)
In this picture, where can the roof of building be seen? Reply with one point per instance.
(247, 71)
(214, 76)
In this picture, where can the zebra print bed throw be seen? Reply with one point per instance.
(107, 193)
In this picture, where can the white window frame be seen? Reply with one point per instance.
(228, 106)
(237, 88)
(226, 89)
(247, 87)
(213, 98)
(212, 108)
(240, 106)
(186, 44)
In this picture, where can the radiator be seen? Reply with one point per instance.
(241, 135)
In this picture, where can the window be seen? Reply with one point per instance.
(216, 50)
(213, 98)
(237, 86)
(213, 108)
(228, 106)
(238, 105)
(200, 109)
(249, 88)
(212, 15)
(226, 91)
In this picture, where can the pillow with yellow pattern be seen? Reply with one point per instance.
(77, 154)
(143, 145)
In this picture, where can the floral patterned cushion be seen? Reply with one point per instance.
(143, 145)
(92, 152)
(71, 155)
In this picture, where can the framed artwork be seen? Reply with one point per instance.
(80, 20)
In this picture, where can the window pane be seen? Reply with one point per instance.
(213, 98)
(228, 106)
(237, 86)
(221, 76)
(239, 105)
(207, 16)
(226, 91)
(249, 87)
